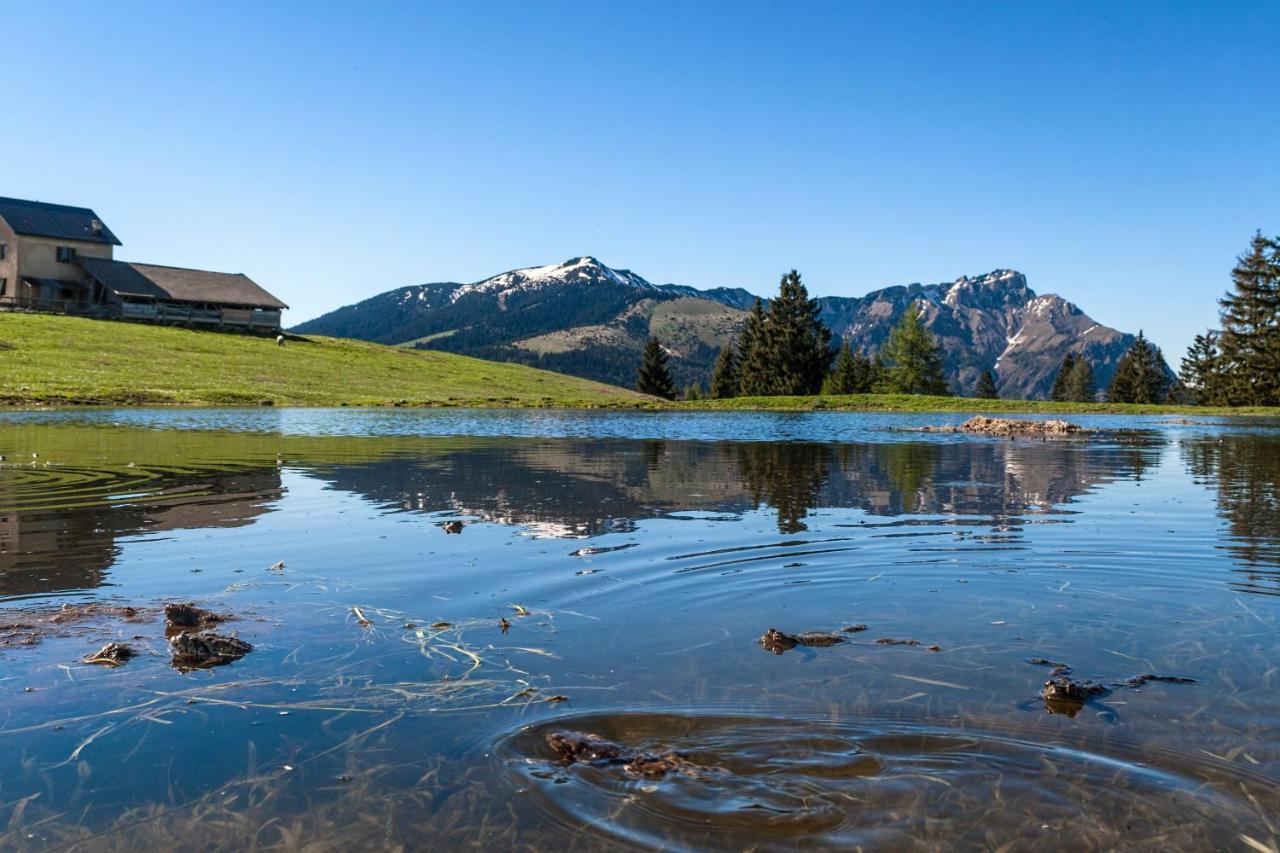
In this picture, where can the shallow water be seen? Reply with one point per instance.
(637, 559)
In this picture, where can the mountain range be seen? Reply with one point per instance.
(587, 319)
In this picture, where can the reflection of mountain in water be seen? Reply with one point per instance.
(583, 488)
(52, 550)
(1245, 469)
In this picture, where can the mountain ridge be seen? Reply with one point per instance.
(587, 319)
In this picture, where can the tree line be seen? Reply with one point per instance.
(785, 350)
(1238, 364)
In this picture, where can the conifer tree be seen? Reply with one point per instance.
(1080, 387)
(1060, 392)
(724, 380)
(797, 341)
(753, 355)
(913, 360)
(1250, 340)
(987, 387)
(1140, 376)
(654, 377)
(846, 374)
(1200, 372)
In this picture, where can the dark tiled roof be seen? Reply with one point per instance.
(38, 219)
(177, 284)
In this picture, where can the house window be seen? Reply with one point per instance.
(4, 287)
(66, 255)
(4, 251)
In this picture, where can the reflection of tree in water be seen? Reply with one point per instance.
(578, 487)
(1245, 469)
(786, 477)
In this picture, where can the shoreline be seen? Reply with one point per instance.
(861, 403)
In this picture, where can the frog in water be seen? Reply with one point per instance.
(200, 650)
(778, 642)
(583, 748)
(1063, 694)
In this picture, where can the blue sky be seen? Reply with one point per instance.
(1120, 154)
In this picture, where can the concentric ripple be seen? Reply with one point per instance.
(781, 783)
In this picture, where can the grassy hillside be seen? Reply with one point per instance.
(922, 403)
(69, 360)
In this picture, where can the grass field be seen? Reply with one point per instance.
(53, 360)
(46, 359)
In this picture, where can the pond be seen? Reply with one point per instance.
(413, 681)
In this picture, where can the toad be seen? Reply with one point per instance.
(582, 748)
(200, 650)
(778, 642)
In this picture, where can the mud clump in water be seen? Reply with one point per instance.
(31, 627)
(982, 425)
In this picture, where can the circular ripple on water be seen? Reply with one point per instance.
(787, 783)
(40, 486)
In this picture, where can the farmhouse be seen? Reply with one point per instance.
(59, 258)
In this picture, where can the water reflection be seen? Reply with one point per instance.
(45, 551)
(1244, 471)
(582, 488)
(619, 587)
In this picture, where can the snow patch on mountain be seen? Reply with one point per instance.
(584, 270)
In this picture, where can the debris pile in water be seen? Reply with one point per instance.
(983, 425)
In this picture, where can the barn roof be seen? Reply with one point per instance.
(58, 221)
(176, 284)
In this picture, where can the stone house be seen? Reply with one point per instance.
(59, 258)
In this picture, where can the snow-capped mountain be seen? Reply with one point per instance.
(587, 319)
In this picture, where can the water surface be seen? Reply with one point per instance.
(637, 559)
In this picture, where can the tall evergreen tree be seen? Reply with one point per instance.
(845, 376)
(654, 377)
(1140, 376)
(1200, 372)
(913, 360)
(987, 387)
(753, 354)
(798, 342)
(1250, 340)
(1060, 392)
(1080, 387)
(724, 379)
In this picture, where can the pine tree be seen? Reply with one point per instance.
(1060, 393)
(1250, 340)
(912, 357)
(1200, 372)
(797, 341)
(1080, 387)
(654, 377)
(844, 377)
(724, 380)
(1140, 376)
(753, 355)
(987, 387)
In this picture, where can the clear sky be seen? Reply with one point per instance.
(1120, 154)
